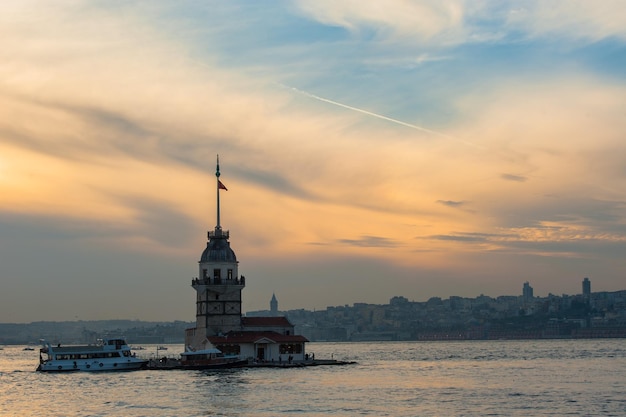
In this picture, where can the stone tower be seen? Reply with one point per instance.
(218, 286)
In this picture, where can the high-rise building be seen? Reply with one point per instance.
(527, 298)
(586, 290)
(527, 293)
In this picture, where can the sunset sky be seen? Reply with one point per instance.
(371, 149)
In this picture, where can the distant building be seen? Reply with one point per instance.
(586, 290)
(219, 321)
(527, 293)
(527, 298)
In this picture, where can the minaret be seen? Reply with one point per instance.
(273, 306)
(218, 286)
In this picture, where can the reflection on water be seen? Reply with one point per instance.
(505, 378)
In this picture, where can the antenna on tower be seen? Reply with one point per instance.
(220, 186)
(217, 175)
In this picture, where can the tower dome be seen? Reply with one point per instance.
(218, 248)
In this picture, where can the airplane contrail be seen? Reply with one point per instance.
(380, 116)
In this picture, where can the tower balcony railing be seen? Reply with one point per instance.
(218, 233)
(219, 281)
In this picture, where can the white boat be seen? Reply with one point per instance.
(106, 355)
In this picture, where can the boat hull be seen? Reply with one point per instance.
(200, 365)
(92, 366)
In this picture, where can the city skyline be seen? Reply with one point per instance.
(421, 149)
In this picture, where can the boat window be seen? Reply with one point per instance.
(195, 357)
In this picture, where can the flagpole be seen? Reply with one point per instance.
(217, 184)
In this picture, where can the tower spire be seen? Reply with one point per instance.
(217, 175)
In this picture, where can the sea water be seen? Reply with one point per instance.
(464, 378)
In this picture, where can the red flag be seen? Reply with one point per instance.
(221, 186)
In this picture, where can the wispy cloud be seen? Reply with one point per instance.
(451, 203)
(369, 242)
(421, 20)
(462, 237)
(512, 177)
(456, 21)
(578, 19)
